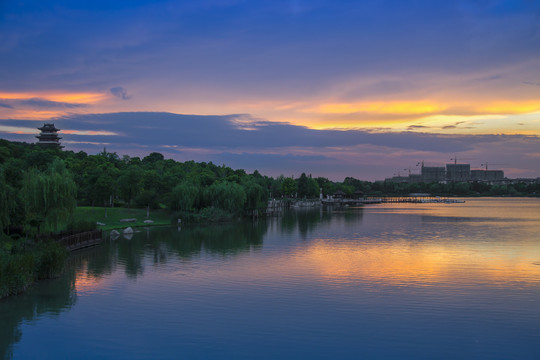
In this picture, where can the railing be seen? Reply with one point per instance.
(81, 240)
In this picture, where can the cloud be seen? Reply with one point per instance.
(417, 127)
(43, 103)
(40, 103)
(223, 132)
(275, 148)
(120, 92)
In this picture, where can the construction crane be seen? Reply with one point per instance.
(408, 169)
(485, 165)
(456, 159)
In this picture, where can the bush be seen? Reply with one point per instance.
(213, 214)
(82, 225)
(51, 257)
(16, 272)
(23, 265)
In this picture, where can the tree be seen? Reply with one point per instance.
(288, 187)
(6, 202)
(302, 186)
(130, 183)
(226, 196)
(153, 158)
(256, 195)
(49, 197)
(326, 185)
(183, 197)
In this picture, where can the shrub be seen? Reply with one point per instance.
(21, 266)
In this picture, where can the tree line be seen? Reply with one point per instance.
(41, 187)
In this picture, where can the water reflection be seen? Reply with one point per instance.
(360, 261)
(48, 298)
(304, 221)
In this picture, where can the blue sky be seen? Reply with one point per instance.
(332, 88)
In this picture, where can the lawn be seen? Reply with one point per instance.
(113, 216)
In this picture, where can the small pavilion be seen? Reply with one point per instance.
(49, 136)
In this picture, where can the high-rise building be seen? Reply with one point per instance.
(458, 172)
(487, 175)
(433, 174)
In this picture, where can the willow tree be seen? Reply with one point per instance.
(49, 197)
(183, 197)
(6, 202)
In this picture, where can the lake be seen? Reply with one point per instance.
(389, 281)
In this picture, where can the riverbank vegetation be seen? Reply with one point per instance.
(41, 188)
(22, 263)
(45, 193)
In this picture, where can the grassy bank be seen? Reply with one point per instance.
(23, 264)
(111, 216)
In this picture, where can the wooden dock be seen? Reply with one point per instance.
(424, 199)
(82, 240)
(350, 202)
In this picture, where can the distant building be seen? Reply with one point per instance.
(450, 173)
(49, 136)
(458, 172)
(433, 174)
(487, 175)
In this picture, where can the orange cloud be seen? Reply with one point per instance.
(382, 107)
(509, 107)
(17, 130)
(90, 132)
(85, 97)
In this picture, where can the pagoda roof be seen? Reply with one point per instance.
(48, 127)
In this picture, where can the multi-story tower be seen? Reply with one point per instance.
(458, 172)
(49, 136)
(433, 174)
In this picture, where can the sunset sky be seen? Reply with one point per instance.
(332, 88)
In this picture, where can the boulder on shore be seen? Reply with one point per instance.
(114, 234)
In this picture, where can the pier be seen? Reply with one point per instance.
(415, 199)
(81, 240)
(350, 202)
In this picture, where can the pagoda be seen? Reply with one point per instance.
(49, 137)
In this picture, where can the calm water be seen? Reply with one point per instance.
(400, 281)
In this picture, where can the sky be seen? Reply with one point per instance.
(333, 88)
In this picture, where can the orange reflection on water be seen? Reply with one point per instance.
(423, 265)
(86, 283)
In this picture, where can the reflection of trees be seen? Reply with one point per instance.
(51, 296)
(130, 253)
(98, 259)
(159, 242)
(157, 245)
(305, 220)
(229, 239)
